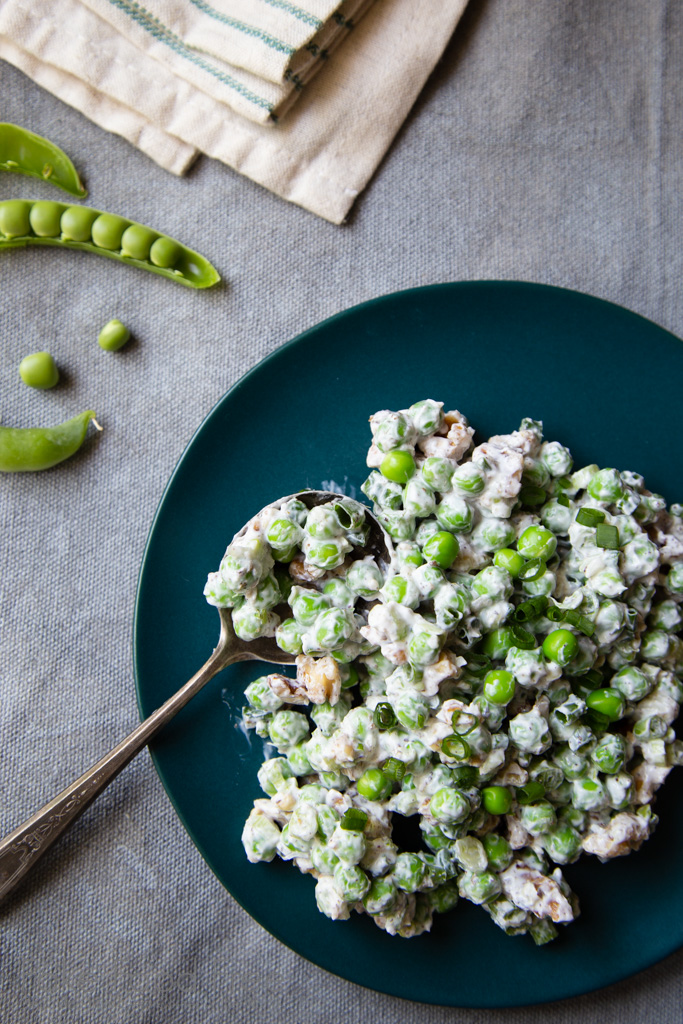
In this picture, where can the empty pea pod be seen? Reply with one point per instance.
(28, 449)
(43, 222)
(24, 152)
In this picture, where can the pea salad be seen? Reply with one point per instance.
(495, 701)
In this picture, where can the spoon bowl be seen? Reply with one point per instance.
(22, 848)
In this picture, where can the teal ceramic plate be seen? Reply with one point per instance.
(604, 381)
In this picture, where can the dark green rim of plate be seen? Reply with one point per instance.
(606, 382)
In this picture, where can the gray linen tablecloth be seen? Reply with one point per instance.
(547, 147)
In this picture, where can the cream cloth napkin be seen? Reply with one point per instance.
(126, 79)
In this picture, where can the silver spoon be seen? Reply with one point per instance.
(22, 848)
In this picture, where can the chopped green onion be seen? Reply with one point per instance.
(384, 715)
(532, 495)
(563, 500)
(596, 720)
(555, 614)
(590, 516)
(394, 769)
(464, 774)
(478, 664)
(580, 622)
(533, 570)
(456, 747)
(354, 820)
(529, 793)
(607, 536)
(531, 609)
(523, 638)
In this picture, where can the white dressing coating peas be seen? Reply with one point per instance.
(388, 713)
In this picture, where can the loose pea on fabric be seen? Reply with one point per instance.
(24, 152)
(27, 449)
(43, 222)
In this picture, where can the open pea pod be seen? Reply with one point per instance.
(24, 152)
(29, 449)
(43, 222)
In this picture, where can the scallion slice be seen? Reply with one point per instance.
(607, 536)
(455, 747)
(394, 769)
(590, 516)
(384, 715)
(533, 570)
(354, 820)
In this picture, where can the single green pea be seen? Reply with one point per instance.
(398, 466)
(496, 799)
(449, 805)
(506, 558)
(137, 241)
(469, 479)
(537, 542)
(498, 642)
(373, 784)
(409, 872)
(39, 370)
(107, 231)
(165, 252)
(442, 548)
(498, 851)
(113, 336)
(499, 686)
(77, 222)
(15, 218)
(530, 792)
(45, 218)
(606, 485)
(608, 702)
(561, 646)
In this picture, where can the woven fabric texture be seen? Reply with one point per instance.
(546, 147)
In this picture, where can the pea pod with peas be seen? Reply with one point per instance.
(44, 222)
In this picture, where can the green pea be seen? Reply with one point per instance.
(455, 514)
(444, 897)
(674, 581)
(610, 753)
(409, 872)
(15, 218)
(442, 548)
(606, 485)
(77, 222)
(498, 642)
(398, 466)
(467, 478)
(493, 534)
(537, 542)
(373, 784)
(506, 558)
(537, 818)
(165, 252)
(107, 231)
(560, 646)
(437, 473)
(496, 799)
(562, 843)
(449, 805)
(332, 628)
(113, 336)
(45, 218)
(499, 686)
(608, 702)
(137, 241)
(498, 851)
(39, 370)
(380, 897)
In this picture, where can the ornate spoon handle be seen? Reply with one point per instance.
(20, 850)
